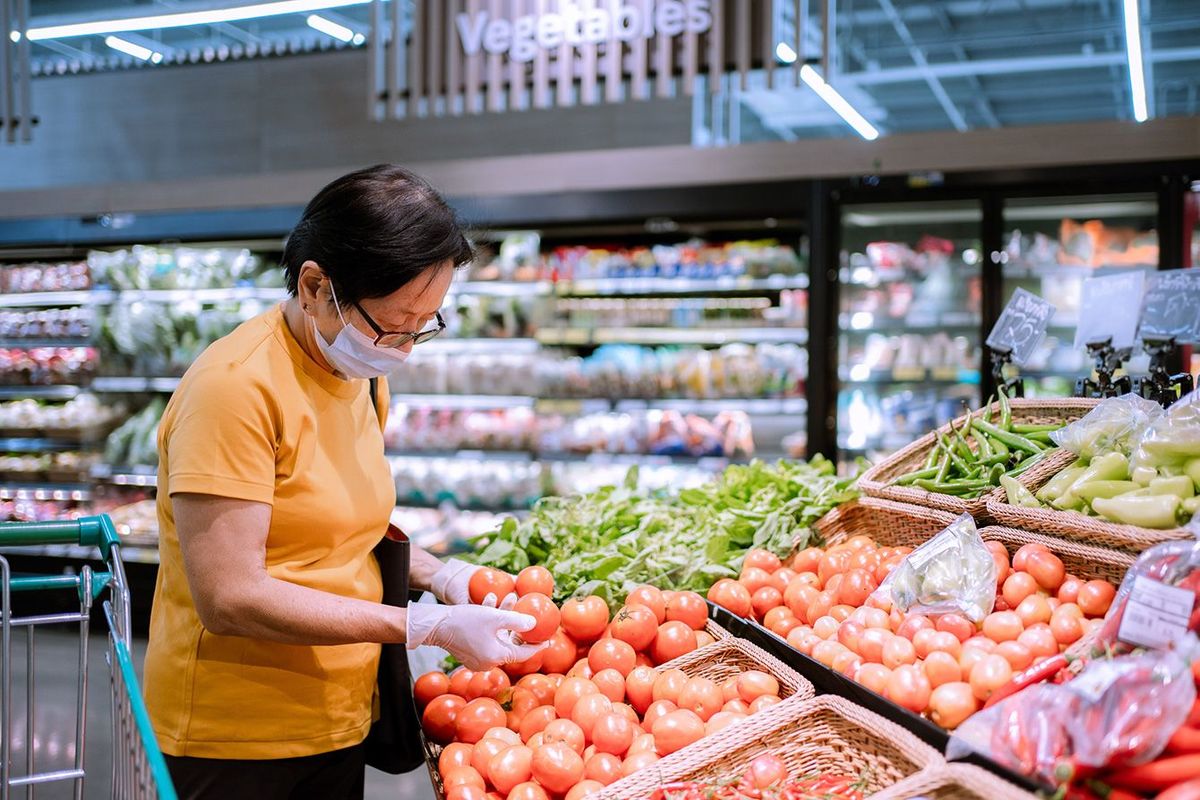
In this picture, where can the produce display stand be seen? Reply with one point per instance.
(826, 735)
(879, 480)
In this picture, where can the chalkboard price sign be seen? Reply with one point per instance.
(1172, 306)
(1022, 326)
(1110, 309)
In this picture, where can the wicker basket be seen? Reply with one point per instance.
(878, 480)
(886, 521)
(954, 782)
(728, 655)
(825, 735)
(1074, 525)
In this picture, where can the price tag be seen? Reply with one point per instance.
(1111, 307)
(1156, 614)
(1022, 325)
(1172, 306)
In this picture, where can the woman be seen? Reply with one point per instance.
(273, 489)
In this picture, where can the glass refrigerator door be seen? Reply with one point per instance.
(909, 322)
(1051, 245)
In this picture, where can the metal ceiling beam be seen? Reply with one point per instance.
(1005, 66)
(935, 85)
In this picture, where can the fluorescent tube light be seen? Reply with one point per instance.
(130, 49)
(15, 36)
(185, 18)
(1133, 53)
(330, 28)
(838, 103)
(785, 53)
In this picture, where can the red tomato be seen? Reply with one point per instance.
(799, 596)
(613, 733)
(886, 566)
(1002, 626)
(582, 789)
(1034, 609)
(754, 683)
(807, 560)
(898, 651)
(519, 669)
(1021, 557)
(487, 581)
(704, 639)
(951, 703)
(849, 633)
(535, 579)
(637, 762)
(913, 623)
(462, 776)
(485, 748)
(603, 767)
(556, 767)
(673, 640)
(780, 621)
(639, 688)
(650, 597)
(856, 587)
(945, 642)
(688, 608)
(732, 596)
(527, 791)
(909, 688)
(636, 625)
(1000, 556)
(429, 686)
(1039, 639)
(1018, 586)
(956, 624)
(763, 559)
(542, 686)
(467, 792)
(536, 721)
(440, 716)
(721, 720)
(827, 651)
(1069, 591)
(941, 668)
(874, 676)
(989, 674)
(459, 680)
(520, 702)
(764, 702)
(657, 710)
(819, 607)
(834, 562)
(476, 717)
(560, 655)
(542, 609)
(736, 706)
(589, 709)
(642, 743)
(1017, 655)
(455, 754)
(669, 684)
(871, 644)
(611, 684)
(780, 579)
(615, 654)
(676, 730)
(1066, 628)
(585, 620)
(765, 770)
(489, 683)
(765, 599)
(1047, 569)
(701, 696)
(1095, 597)
(568, 694)
(754, 579)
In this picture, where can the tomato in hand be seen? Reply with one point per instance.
(542, 609)
(487, 581)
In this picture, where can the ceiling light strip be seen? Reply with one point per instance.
(1133, 54)
(329, 28)
(187, 18)
(838, 103)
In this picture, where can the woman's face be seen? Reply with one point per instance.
(409, 309)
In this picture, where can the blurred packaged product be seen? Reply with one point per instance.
(47, 366)
(30, 417)
(151, 267)
(157, 339)
(136, 441)
(63, 277)
(50, 323)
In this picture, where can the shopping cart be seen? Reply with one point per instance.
(138, 768)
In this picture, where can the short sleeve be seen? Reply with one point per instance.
(220, 437)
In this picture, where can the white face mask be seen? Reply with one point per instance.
(353, 353)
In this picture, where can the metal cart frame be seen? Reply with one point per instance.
(138, 769)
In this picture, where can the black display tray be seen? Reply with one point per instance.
(826, 681)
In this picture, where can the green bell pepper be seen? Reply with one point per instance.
(1145, 512)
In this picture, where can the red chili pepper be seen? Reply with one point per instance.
(1035, 674)
(1160, 774)
(1184, 740)
(1193, 718)
(1188, 790)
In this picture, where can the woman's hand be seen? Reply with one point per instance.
(451, 585)
(478, 636)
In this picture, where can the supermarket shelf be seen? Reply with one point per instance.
(124, 476)
(759, 406)
(134, 384)
(699, 336)
(46, 299)
(36, 444)
(503, 288)
(633, 286)
(107, 296)
(449, 345)
(864, 323)
(1035, 270)
(26, 343)
(911, 375)
(528, 456)
(464, 401)
(45, 491)
(60, 392)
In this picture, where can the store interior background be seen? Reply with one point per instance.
(690, 280)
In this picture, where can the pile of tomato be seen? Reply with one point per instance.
(824, 604)
(589, 709)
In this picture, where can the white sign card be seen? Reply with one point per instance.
(1021, 326)
(1110, 308)
(1172, 306)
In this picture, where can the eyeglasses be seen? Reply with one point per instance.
(400, 338)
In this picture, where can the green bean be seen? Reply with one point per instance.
(1026, 464)
(1005, 411)
(1013, 440)
(932, 459)
(983, 448)
(994, 476)
(987, 408)
(904, 480)
(953, 487)
(1028, 428)
(999, 448)
(944, 465)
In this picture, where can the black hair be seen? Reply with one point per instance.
(374, 231)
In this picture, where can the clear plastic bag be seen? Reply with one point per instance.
(1025, 732)
(1130, 706)
(1173, 439)
(953, 572)
(1115, 424)
(1157, 585)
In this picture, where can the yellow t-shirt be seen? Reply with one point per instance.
(256, 418)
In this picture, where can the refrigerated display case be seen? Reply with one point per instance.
(1051, 245)
(909, 321)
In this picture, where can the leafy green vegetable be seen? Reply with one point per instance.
(610, 540)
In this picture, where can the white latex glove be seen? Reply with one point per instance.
(451, 586)
(479, 637)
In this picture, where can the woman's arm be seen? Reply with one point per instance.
(421, 568)
(224, 554)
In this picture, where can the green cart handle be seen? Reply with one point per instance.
(96, 531)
